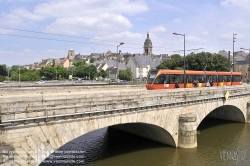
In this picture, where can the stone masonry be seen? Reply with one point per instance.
(33, 127)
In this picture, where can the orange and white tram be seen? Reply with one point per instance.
(165, 79)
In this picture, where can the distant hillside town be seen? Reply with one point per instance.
(139, 64)
(110, 62)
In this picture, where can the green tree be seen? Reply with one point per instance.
(199, 61)
(92, 72)
(81, 71)
(125, 74)
(80, 63)
(62, 72)
(92, 60)
(103, 73)
(175, 63)
(3, 70)
(2, 78)
(26, 75)
(207, 61)
(47, 72)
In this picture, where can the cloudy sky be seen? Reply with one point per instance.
(32, 30)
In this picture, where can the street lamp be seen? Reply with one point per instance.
(89, 73)
(8, 74)
(19, 74)
(117, 53)
(233, 48)
(56, 73)
(72, 68)
(184, 58)
(248, 64)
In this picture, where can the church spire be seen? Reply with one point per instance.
(148, 46)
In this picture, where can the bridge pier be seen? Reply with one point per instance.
(248, 113)
(187, 137)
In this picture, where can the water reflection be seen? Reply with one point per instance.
(108, 147)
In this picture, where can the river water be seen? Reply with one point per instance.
(219, 143)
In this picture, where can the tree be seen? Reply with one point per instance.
(80, 63)
(26, 75)
(200, 61)
(3, 70)
(125, 74)
(207, 61)
(48, 72)
(103, 74)
(175, 63)
(62, 72)
(2, 78)
(92, 60)
(92, 72)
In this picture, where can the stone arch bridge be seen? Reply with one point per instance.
(33, 127)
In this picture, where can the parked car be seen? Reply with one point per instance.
(1, 83)
(40, 82)
(79, 80)
(123, 81)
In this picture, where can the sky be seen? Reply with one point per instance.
(32, 30)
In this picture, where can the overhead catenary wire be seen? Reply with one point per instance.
(23, 30)
(60, 40)
(113, 30)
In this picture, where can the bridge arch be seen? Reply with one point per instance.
(148, 131)
(226, 112)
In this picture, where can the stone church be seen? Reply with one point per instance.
(148, 47)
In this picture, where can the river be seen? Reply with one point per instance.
(219, 143)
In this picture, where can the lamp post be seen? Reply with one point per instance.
(19, 74)
(56, 73)
(248, 64)
(233, 48)
(8, 74)
(72, 72)
(184, 58)
(117, 53)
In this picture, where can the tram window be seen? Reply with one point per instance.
(212, 78)
(228, 78)
(174, 77)
(220, 78)
(224, 78)
(189, 78)
(152, 76)
(236, 78)
(200, 78)
(161, 79)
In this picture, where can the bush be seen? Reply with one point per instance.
(2, 78)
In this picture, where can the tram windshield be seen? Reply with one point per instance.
(151, 76)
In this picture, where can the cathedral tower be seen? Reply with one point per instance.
(148, 47)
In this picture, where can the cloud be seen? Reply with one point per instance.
(205, 33)
(77, 17)
(158, 29)
(19, 18)
(236, 3)
(98, 24)
(28, 51)
(125, 35)
(177, 20)
(193, 38)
